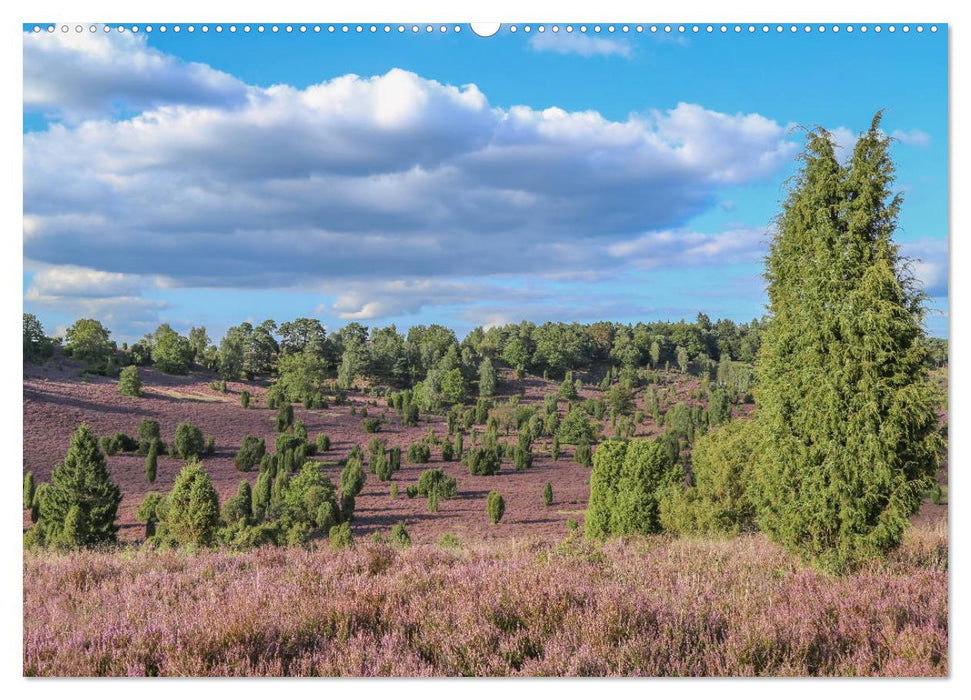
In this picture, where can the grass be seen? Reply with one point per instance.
(192, 396)
(654, 606)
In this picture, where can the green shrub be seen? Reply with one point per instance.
(447, 450)
(625, 486)
(119, 442)
(240, 506)
(548, 494)
(522, 459)
(192, 508)
(381, 466)
(583, 455)
(151, 461)
(130, 382)
(393, 491)
(371, 425)
(394, 458)
(459, 447)
(300, 430)
(555, 449)
(250, 453)
(723, 465)
(28, 489)
(150, 511)
(284, 417)
(244, 398)
(483, 461)
(340, 536)
(436, 481)
(411, 490)
(399, 535)
(433, 502)
(572, 524)
(323, 443)
(188, 441)
(496, 506)
(449, 541)
(576, 427)
(419, 453)
(149, 430)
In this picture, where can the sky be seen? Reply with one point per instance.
(414, 178)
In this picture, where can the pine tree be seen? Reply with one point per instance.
(487, 379)
(848, 419)
(192, 507)
(81, 488)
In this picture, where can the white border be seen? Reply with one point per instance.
(603, 11)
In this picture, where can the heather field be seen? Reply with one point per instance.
(648, 607)
(57, 400)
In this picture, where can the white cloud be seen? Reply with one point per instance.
(579, 44)
(73, 75)
(914, 137)
(689, 248)
(929, 263)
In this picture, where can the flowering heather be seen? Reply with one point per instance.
(652, 607)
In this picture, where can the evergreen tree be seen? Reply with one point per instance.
(849, 422)
(151, 461)
(487, 379)
(29, 489)
(192, 508)
(81, 504)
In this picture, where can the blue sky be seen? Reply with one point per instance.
(416, 178)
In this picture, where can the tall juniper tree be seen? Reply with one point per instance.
(850, 424)
(81, 503)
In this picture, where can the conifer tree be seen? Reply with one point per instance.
(849, 422)
(151, 461)
(192, 507)
(80, 506)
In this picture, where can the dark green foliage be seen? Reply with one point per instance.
(454, 386)
(171, 352)
(723, 466)
(250, 453)
(849, 421)
(568, 388)
(323, 443)
(353, 478)
(719, 407)
(459, 447)
(300, 430)
(495, 506)
(150, 511)
(548, 494)
(284, 418)
(130, 382)
(399, 535)
(487, 378)
(572, 524)
(522, 458)
(483, 461)
(418, 453)
(555, 449)
(192, 509)
(340, 536)
(240, 506)
(394, 458)
(576, 428)
(275, 397)
(371, 425)
(625, 487)
(262, 494)
(381, 466)
(244, 398)
(36, 504)
(620, 399)
(149, 430)
(29, 489)
(310, 500)
(411, 490)
(583, 454)
(435, 481)
(119, 442)
(481, 411)
(37, 346)
(87, 341)
(151, 460)
(188, 441)
(938, 495)
(448, 452)
(393, 491)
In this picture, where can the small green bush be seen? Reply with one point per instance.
(188, 441)
(447, 450)
(244, 398)
(393, 490)
(496, 506)
(151, 461)
(371, 425)
(522, 459)
(436, 481)
(250, 453)
(449, 541)
(418, 453)
(399, 535)
(340, 536)
(572, 524)
(284, 417)
(411, 490)
(583, 455)
(149, 430)
(119, 442)
(323, 443)
(483, 461)
(548, 494)
(130, 382)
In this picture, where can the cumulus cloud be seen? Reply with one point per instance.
(203, 181)
(579, 44)
(914, 137)
(73, 75)
(929, 263)
(690, 248)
